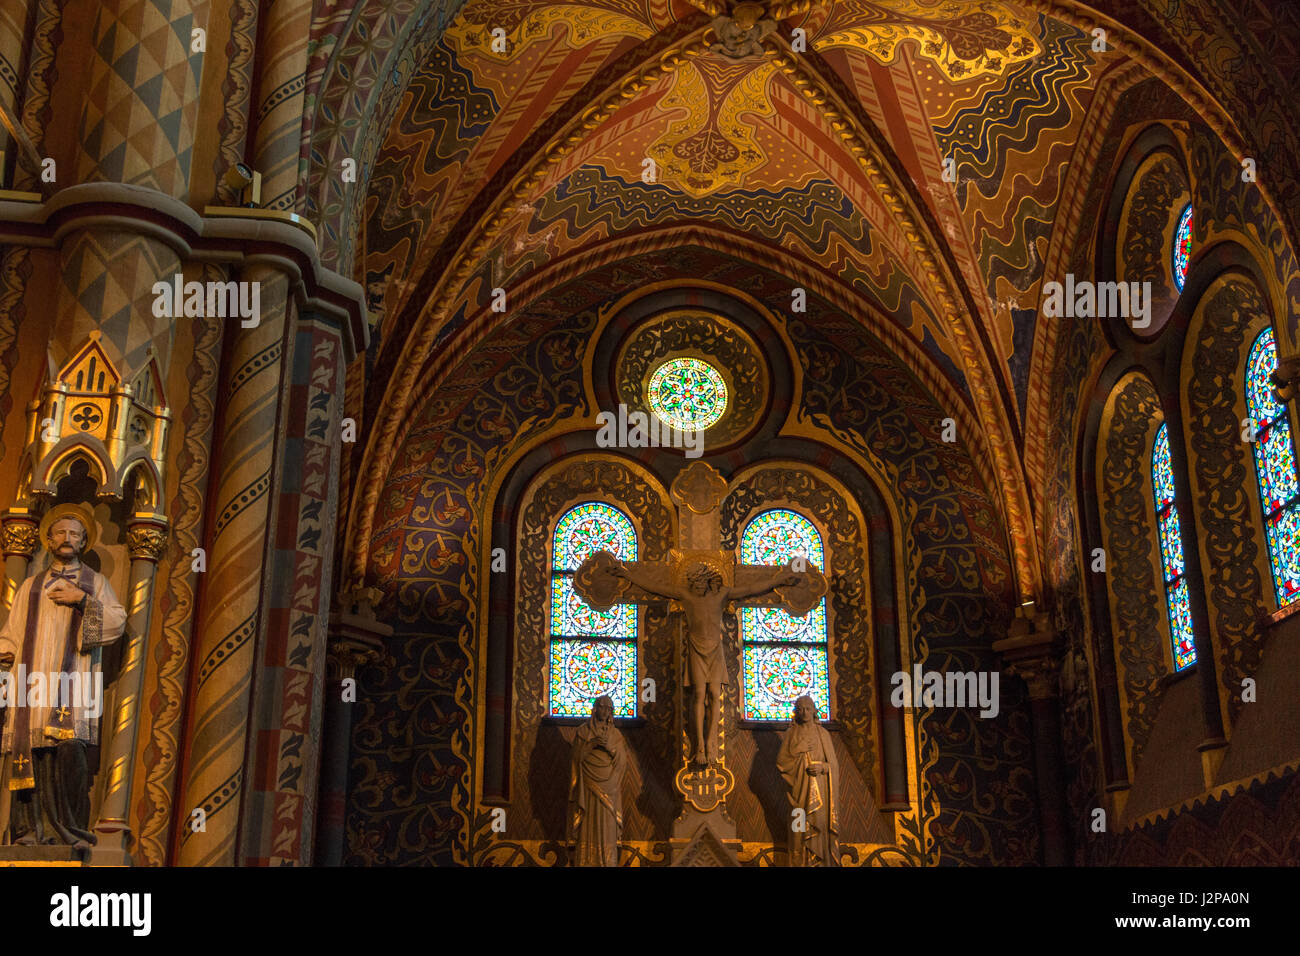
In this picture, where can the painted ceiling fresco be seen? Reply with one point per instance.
(996, 88)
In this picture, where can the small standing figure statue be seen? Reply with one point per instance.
(61, 617)
(596, 788)
(808, 764)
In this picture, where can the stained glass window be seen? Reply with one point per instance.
(687, 393)
(1171, 553)
(1279, 497)
(592, 653)
(784, 656)
(1182, 247)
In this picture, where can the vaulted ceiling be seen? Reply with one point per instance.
(915, 156)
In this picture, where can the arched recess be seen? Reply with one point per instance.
(1134, 581)
(1150, 192)
(1229, 313)
(537, 744)
(862, 620)
(521, 746)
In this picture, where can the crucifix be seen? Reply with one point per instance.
(702, 580)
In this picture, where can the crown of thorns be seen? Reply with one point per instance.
(702, 571)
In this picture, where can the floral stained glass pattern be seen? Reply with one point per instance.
(687, 393)
(777, 675)
(1182, 247)
(589, 528)
(785, 657)
(581, 671)
(1275, 468)
(1171, 553)
(592, 653)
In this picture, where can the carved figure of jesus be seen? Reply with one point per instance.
(704, 598)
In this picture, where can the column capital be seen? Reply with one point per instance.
(21, 535)
(146, 537)
(1029, 652)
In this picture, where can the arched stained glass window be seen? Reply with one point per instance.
(784, 656)
(592, 654)
(1171, 553)
(1182, 247)
(1279, 496)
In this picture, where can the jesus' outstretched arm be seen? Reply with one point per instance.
(780, 577)
(647, 582)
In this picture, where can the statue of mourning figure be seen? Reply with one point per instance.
(811, 772)
(599, 760)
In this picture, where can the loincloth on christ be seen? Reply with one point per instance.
(705, 663)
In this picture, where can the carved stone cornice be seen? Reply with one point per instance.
(223, 235)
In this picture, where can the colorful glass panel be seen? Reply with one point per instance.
(570, 617)
(687, 393)
(589, 528)
(1182, 247)
(1171, 552)
(581, 671)
(776, 536)
(776, 675)
(783, 654)
(774, 624)
(592, 653)
(1275, 468)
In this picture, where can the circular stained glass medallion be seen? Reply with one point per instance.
(687, 393)
(1182, 247)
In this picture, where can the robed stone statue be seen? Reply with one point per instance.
(53, 686)
(596, 788)
(807, 763)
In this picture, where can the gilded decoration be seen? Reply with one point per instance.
(20, 537)
(963, 40)
(715, 146)
(1157, 195)
(146, 543)
(712, 338)
(698, 487)
(88, 411)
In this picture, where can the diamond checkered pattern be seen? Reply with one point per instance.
(139, 120)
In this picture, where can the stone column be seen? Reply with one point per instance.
(21, 539)
(146, 541)
(356, 639)
(285, 32)
(1029, 654)
(229, 613)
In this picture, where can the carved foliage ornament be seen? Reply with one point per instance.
(20, 537)
(146, 543)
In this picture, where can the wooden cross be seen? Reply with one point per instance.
(701, 579)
